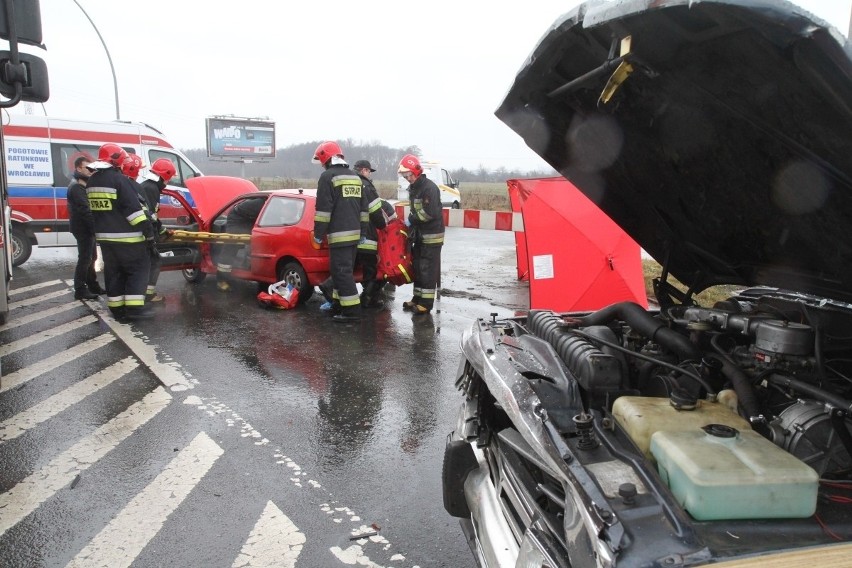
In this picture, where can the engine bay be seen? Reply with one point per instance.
(765, 366)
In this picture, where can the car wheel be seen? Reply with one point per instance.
(295, 275)
(21, 247)
(456, 205)
(459, 460)
(194, 275)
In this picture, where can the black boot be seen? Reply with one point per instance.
(346, 315)
(83, 293)
(95, 288)
(138, 312)
(367, 294)
(327, 289)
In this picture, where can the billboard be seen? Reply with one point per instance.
(240, 138)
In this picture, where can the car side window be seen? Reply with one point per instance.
(282, 211)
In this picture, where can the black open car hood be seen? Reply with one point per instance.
(726, 152)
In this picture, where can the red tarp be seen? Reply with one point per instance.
(574, 256)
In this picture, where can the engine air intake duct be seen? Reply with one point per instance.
(595, 370)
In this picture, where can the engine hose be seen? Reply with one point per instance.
(639, 319)
(741, 383)
(816, 392)
(680, 370)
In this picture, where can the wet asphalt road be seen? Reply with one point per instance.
(306, 428)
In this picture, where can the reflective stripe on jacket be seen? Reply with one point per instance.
(116, 211)
(340, 199)
(427, 215)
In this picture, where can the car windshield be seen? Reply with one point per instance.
(282, 211)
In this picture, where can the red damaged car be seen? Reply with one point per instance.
(282, 245)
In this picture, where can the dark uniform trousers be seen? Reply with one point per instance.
(126, 271)
(369, 262)
(342, 261)
(427, 272)
(87, 254)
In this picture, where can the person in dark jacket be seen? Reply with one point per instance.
(124, 233)
(427, 223)
(371, 220)
(82, 226)
(158, 176)
(340, 201)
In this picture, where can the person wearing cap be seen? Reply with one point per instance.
(340, 201)
(426, 220)
(371, 220)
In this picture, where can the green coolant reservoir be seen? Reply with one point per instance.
(719, 473)
(641, 416)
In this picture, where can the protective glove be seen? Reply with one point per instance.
(167, 234)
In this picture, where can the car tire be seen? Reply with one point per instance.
(21, 247)
(294, 274)
(193, 275)
(456, 205)
(459, 460)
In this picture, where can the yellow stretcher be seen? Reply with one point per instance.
(179, 236)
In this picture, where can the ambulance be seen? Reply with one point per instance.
(40, 155)
(448, 187)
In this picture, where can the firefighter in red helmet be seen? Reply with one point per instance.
(123, 231)
(340, 201)
(158, 176)
(426, 220)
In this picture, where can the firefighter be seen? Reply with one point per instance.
(426, 220)
(124, 233)
(340, 200)
(371, 219)
(158, 176)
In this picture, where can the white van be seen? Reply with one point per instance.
(448, 187)
(40, 155)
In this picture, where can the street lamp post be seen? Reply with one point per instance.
(112, 68)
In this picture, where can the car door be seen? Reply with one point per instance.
(276, 235)
(176, 214)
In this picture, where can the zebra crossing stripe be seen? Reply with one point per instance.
(17, 322)
(43, 336)
(37, 299)
(34, 287)
(121, 541)
(274, 541)
(169, 373)
(26, 496)
(30, 372)
(50, 407)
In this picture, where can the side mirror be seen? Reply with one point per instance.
(25, 23)
(30, 73)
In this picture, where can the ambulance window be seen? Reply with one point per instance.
(64, 156)
(282, 211)
(184, 170)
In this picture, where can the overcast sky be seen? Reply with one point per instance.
(429, 74)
